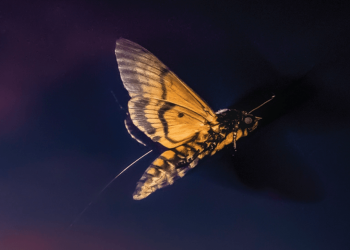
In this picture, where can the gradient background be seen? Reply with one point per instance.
(62, 136)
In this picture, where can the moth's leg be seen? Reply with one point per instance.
(234, 141)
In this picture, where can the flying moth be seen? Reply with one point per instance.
(169, 112)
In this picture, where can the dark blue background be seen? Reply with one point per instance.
(62, 136)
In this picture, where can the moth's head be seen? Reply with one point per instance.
(248, 123)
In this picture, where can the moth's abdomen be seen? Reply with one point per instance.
(169, 166)
(176, 162)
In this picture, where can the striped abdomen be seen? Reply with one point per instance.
(174, 163)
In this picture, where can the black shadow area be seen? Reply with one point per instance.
(264, 160)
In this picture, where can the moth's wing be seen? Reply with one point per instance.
(161, 105)
(133, 131)
(164, 122)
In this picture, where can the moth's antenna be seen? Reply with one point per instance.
(109, 183)
(115, 98)
(262, 104)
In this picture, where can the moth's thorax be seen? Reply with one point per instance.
(232, 120)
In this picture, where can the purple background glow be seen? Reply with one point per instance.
(62, 136)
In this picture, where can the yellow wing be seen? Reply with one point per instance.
(161, 105)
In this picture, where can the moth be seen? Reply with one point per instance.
(169, 112)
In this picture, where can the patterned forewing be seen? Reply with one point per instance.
(161, 105)
(142, 73)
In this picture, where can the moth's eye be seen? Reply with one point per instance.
(248, 120)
